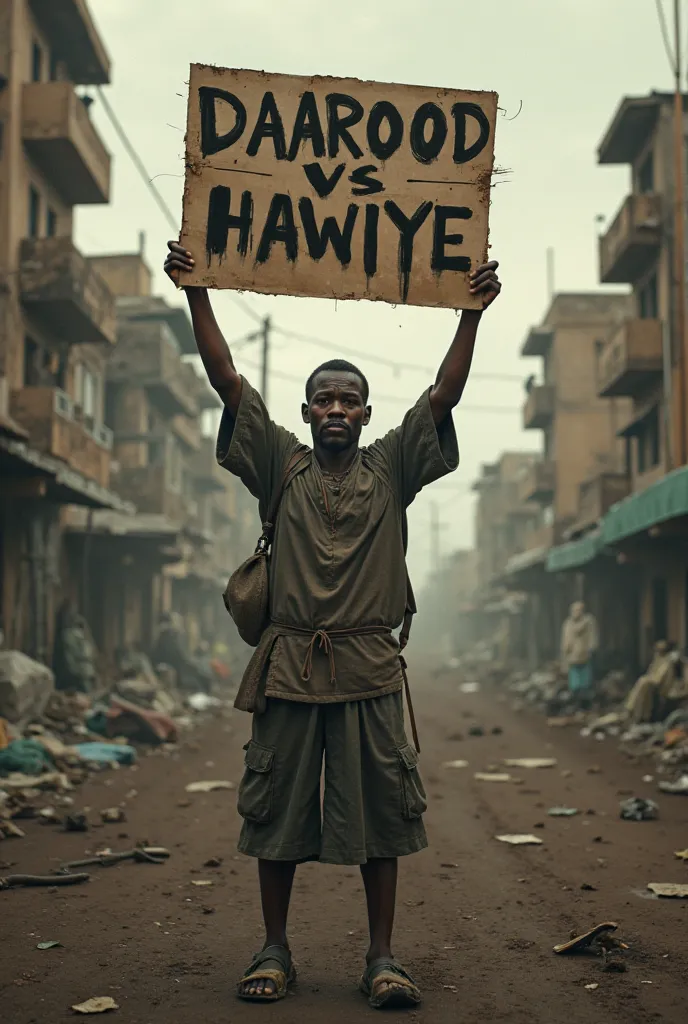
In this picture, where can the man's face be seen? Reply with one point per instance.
(336, 410)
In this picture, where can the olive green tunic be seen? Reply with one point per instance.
(338, 560)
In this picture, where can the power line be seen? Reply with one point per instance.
(397, 399)
(384, 361)
(665, 34)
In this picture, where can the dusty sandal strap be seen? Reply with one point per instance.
(389, 971)
(258, 970)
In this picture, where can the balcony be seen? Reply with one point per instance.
(632, 242)
(539, 408)
(74, 39)
(631, 360)
(597, 495)
(146, 357)
(60, 288)
(538, 483)
(55, 428)
(61, 140)
(147, 488)
(209, 476)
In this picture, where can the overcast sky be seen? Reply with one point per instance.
(564, 63)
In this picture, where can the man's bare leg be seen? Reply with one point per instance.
(276, 880)
(380, 881)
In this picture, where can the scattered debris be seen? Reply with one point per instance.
(638, 809)
(34, 881)
(455, 764)
(113, 815)
(101, 1004)
(202, 882)
(106, 753)
(493, 777)
(203, 702)
(530, 762)
(49, 945)
(209, 787)
(469, 687)
(587, 887)
(563, 812)
(680, 786)
(598, 938)
(520, 840)
(214, 862)
(669, 890)
(681, 854)
(141, 855)
(592, 986)
(476, 730)
(649, 778)
(76, 823)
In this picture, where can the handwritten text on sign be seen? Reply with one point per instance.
(336, 188)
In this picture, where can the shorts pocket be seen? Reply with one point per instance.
(255, 790)
(413, 801)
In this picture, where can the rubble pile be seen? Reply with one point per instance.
(51, 741)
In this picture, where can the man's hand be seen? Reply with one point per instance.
(177, 262)
(485, 283)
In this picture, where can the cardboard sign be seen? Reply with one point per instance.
(336, 188)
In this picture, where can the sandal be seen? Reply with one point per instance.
(274, 963)
(388, 971)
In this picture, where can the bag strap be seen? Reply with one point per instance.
(409, 612)
(273, 508)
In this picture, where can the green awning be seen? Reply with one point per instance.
(667, 499)
(574, 554)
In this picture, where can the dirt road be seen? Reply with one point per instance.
(477, 919)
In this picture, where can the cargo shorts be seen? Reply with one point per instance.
(369, 801)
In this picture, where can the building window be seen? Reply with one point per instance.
(34, 212)
(649, 446)
(648, 302)
(87, 392)
(646, 175)
(54, 67)
(36, 62)
(51, 223)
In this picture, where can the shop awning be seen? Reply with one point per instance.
(665, 500)
(525, 560)
(574, 554)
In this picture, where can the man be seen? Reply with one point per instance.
(579, 641)
(326, 678)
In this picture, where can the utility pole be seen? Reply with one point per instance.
(434, 536)
(265, 335)
(679, 245)
(550, 274)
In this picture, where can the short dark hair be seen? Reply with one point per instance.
(343, 366)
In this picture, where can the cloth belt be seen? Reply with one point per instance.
(323, 638)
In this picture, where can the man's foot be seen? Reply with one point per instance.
(388, 985)
(268, 976)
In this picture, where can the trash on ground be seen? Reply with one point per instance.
(76, 823)
(562, 812)
(599, 937)
(587, 887)
(26, 756)
(469, 687)
(113, 815)
(638, 809)
(214, 862)
(203, 702)
(520, 840)
(530, 762)
(106, 753)
(202, 882)
(592, 986)
(648, 778)
(476, 730)
(681, 854)
(455, 764)
(106, 858)
(209, 787)
(101, 1004)
(680, 786)
(493, 777)
(670, 890)
(33, 881)
(49, 945)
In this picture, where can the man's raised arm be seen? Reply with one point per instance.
(456, 365)
(212, 347)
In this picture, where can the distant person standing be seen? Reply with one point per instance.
(579, 642)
